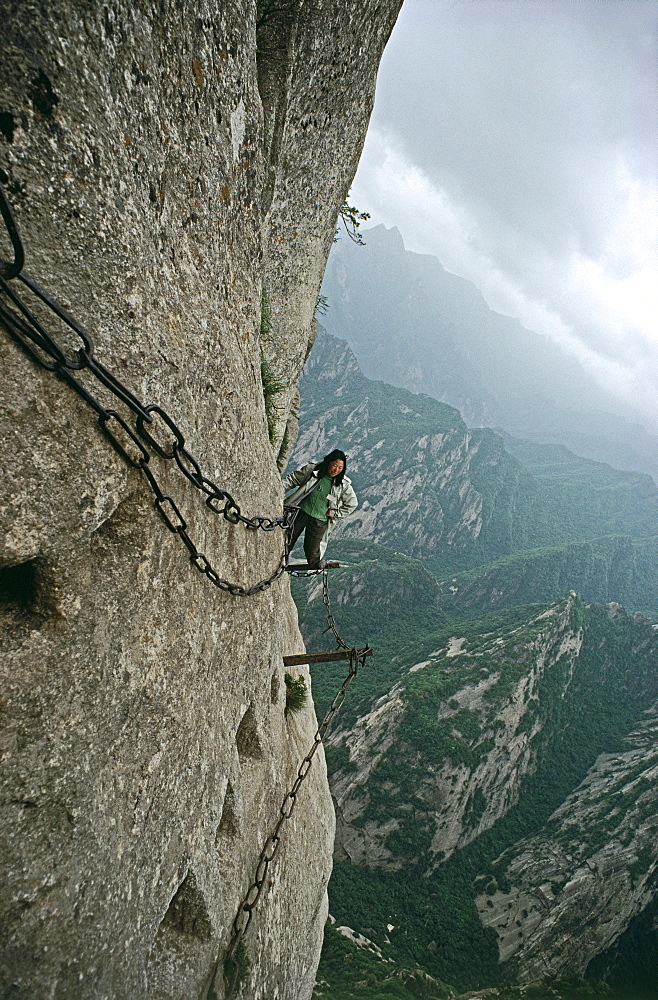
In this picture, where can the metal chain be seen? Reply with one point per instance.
(135, 443)
(176, 523)
(273, 842)
(331, 621)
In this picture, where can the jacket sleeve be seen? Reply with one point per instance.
(348, 501)
(298, 478)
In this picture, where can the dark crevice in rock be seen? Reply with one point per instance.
(247, 739)
(29, 590)
(187, 913)
(7, 125)
(183, 946)
(274, 30)
(18, 585)
(42, 95)
(228, 824)
(274, 688)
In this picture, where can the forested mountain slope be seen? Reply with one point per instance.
(615, 568)
(526, 732)
(458, 499)
(491, 768)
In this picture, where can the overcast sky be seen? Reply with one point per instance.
(517, 140)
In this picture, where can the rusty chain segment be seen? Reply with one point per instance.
(134, 441)
(331, 621)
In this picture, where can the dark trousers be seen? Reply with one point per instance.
(314, 534)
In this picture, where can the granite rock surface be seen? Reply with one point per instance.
(145, 745)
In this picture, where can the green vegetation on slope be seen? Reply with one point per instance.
(391, 601)
(630, 963)
(618, 568)
(350, 972)
(473, 502)
(506, 531)
(436, 923)
(566, 480)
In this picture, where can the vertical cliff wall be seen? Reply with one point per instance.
(145, 748)
(315, 118)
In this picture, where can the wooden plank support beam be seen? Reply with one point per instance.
(338, 654)
(303, 567)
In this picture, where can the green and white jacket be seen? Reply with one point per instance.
(341, 498)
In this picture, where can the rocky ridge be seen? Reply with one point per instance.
(414, 324)
(618, 567)
(481, 737)
(593, 867)
(457, 498)
(484, 713)
(460, 797)
(415, 462)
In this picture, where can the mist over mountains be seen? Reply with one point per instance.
(413, 324)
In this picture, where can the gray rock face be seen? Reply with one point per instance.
(145, 748)
(506, 747)
(316, 75)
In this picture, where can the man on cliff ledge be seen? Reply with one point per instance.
(322, 493)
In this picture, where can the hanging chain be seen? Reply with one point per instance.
(273, 842)
(331, 621)
(135, 442)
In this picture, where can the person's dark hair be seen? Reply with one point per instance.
(321, 467)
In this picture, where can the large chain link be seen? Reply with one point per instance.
(273, 842)
(135, 441)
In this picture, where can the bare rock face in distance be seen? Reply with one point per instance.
(145, 748)
(591, 867)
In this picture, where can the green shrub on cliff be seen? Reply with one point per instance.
(296, 693)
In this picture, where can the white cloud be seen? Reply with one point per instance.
(516, 141)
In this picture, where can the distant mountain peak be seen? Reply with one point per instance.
(382, 234)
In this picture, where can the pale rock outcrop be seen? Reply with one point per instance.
(509, 733)
(575, 888)
(368, 741)
(145, 749)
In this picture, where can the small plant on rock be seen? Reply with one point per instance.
(237, 969)
(352, 219)
(296, 693)
(273, 385)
